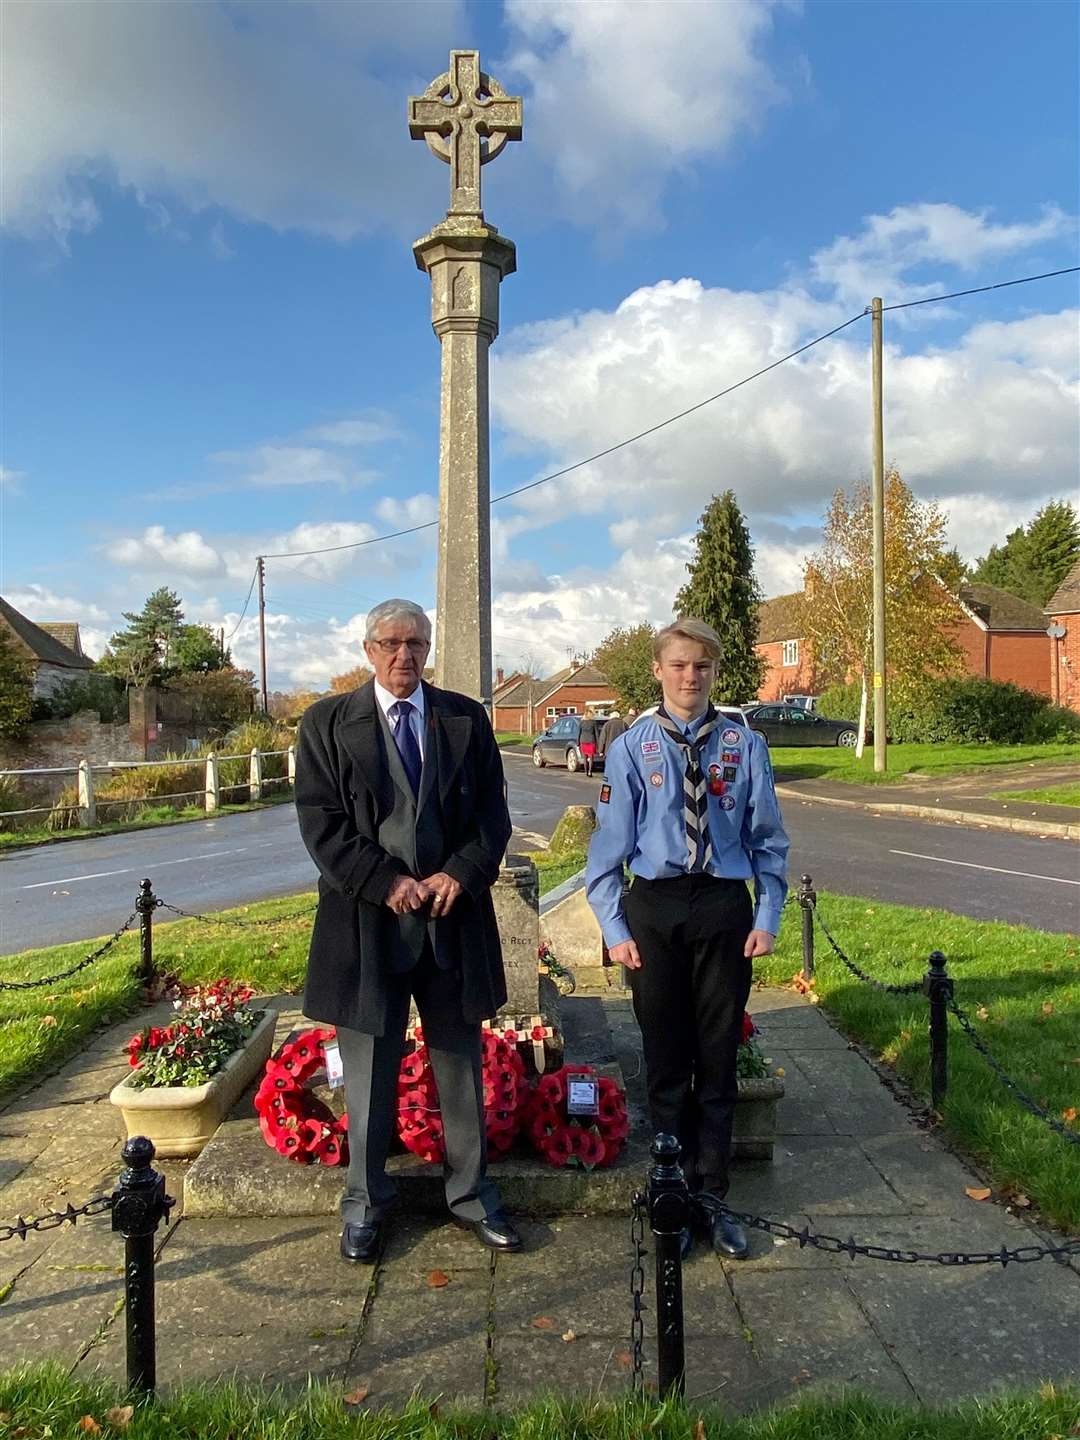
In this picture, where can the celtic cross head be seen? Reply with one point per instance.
(466, 119)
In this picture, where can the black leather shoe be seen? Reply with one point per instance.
(728, 1237)
(360, 1243)
(494, 1231)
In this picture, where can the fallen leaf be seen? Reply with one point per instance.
(699, 1430)
(437, 1279)
(568, 1336)
(120, 1416)
(977, 1193)
(1069, 1114)
(1048, 1008)
(624, 1359)
(358, 1396)
(983, 1013)
(49, 1020)
(780, 1071)
(543, 1322)
(88, 1425)
(1021, 1201)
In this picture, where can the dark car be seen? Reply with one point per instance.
(791, 725)
(561, 745)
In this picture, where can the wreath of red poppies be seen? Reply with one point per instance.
(301, 1127)
(579, 1140)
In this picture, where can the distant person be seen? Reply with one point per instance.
(588, 741)
(688, 803)
(613, 727)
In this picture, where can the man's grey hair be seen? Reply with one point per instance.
(396, 610)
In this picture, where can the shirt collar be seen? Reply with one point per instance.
(386, 699)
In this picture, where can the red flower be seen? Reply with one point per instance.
(749, 1029)
(590, 1148)
(559, 1147)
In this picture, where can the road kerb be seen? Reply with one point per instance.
(1055, 828)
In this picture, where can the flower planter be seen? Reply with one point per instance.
(755, 1117)
(180, 1119)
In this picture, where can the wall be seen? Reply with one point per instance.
(1067, 662)
(577, 696)
(1021, 656)
(781, 679)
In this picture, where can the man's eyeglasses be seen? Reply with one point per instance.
(391, 647)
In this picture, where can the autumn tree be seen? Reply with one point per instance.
(838, 603)
(350, 680)
(625, 658)
(1035, 558)
(723, 592)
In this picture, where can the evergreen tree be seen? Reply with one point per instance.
(1034, 559)
(723, 592)
(196, 650)
(143, 652)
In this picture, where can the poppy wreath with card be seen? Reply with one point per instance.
(419, 1119)
(580, 1140)
(293, 1121)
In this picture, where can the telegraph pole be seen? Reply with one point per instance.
(880, 752)
(262, 632)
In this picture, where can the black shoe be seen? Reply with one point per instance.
(494, 1231)
(360, 1243)
(728, 1237)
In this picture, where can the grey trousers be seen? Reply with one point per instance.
(371, 1064)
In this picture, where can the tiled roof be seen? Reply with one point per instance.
(780, 618)
(518, 692)
(998, 610)
(541, 689)
(1066, 598)
(39, 642)
(65, 631)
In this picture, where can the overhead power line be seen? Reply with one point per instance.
(247, 602)
(682, 414)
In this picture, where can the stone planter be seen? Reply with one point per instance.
(180, 1119)
(755, 1117)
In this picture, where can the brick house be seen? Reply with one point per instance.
(1001, 637)
(527, 704)
(1063, 609)
(54, 650)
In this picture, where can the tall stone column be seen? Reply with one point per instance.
(466, 119)
(466, 260)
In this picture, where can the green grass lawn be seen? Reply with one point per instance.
(150, 817)
(1020, 986)
(43, 1401)
(836, 763)
(512, 737)
(1051, 795)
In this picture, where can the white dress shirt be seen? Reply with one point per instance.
(416, 718)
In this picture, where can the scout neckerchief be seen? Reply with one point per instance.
(695, 798)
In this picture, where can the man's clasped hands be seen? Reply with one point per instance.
(407, 894)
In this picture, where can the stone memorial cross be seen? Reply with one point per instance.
(466, 119)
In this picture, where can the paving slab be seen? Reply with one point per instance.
(832, 1170)
(836, 1080)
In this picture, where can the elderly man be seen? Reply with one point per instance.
(688, 803)
(399, 793)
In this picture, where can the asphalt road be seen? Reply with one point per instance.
(84, 888)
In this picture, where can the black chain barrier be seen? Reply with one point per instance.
(102, 949)
(912, 987)
(100, 1205)
(637, 1289)
(237, 924)
(1006, 1079)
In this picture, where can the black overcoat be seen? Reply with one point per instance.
(344, 789)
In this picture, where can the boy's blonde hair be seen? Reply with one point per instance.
(686, 628)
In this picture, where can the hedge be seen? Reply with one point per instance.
(962, 712)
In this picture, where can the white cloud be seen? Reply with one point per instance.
(272, 466)
(38, 602)
(186, 553)
(11, 480)
(419, 509)
(288, 114)
(875, 261)
(619, 96)
(371, 429)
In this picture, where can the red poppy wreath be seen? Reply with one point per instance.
(582, 1140)
(419, 1120)
(293, 1121)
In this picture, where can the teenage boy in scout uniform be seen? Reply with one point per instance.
(688, 803)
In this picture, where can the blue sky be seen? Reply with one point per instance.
(217, 342)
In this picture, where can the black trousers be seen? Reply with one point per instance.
(689, 998)
(371, 1064)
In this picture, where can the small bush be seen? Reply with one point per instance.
(962, 711)
(103, 693)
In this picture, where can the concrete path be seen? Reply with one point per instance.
(270, 1298)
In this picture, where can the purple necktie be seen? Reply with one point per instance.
(405, 739)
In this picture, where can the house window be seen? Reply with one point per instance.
(791, 653)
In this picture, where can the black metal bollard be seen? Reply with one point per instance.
(807, 901)
(139, 1203)
(145, 905)
(669, 1212)
(938, 987)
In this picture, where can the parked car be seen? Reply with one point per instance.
(560, 745)
(791, 725)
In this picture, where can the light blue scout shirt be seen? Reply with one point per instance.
(640, 820)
